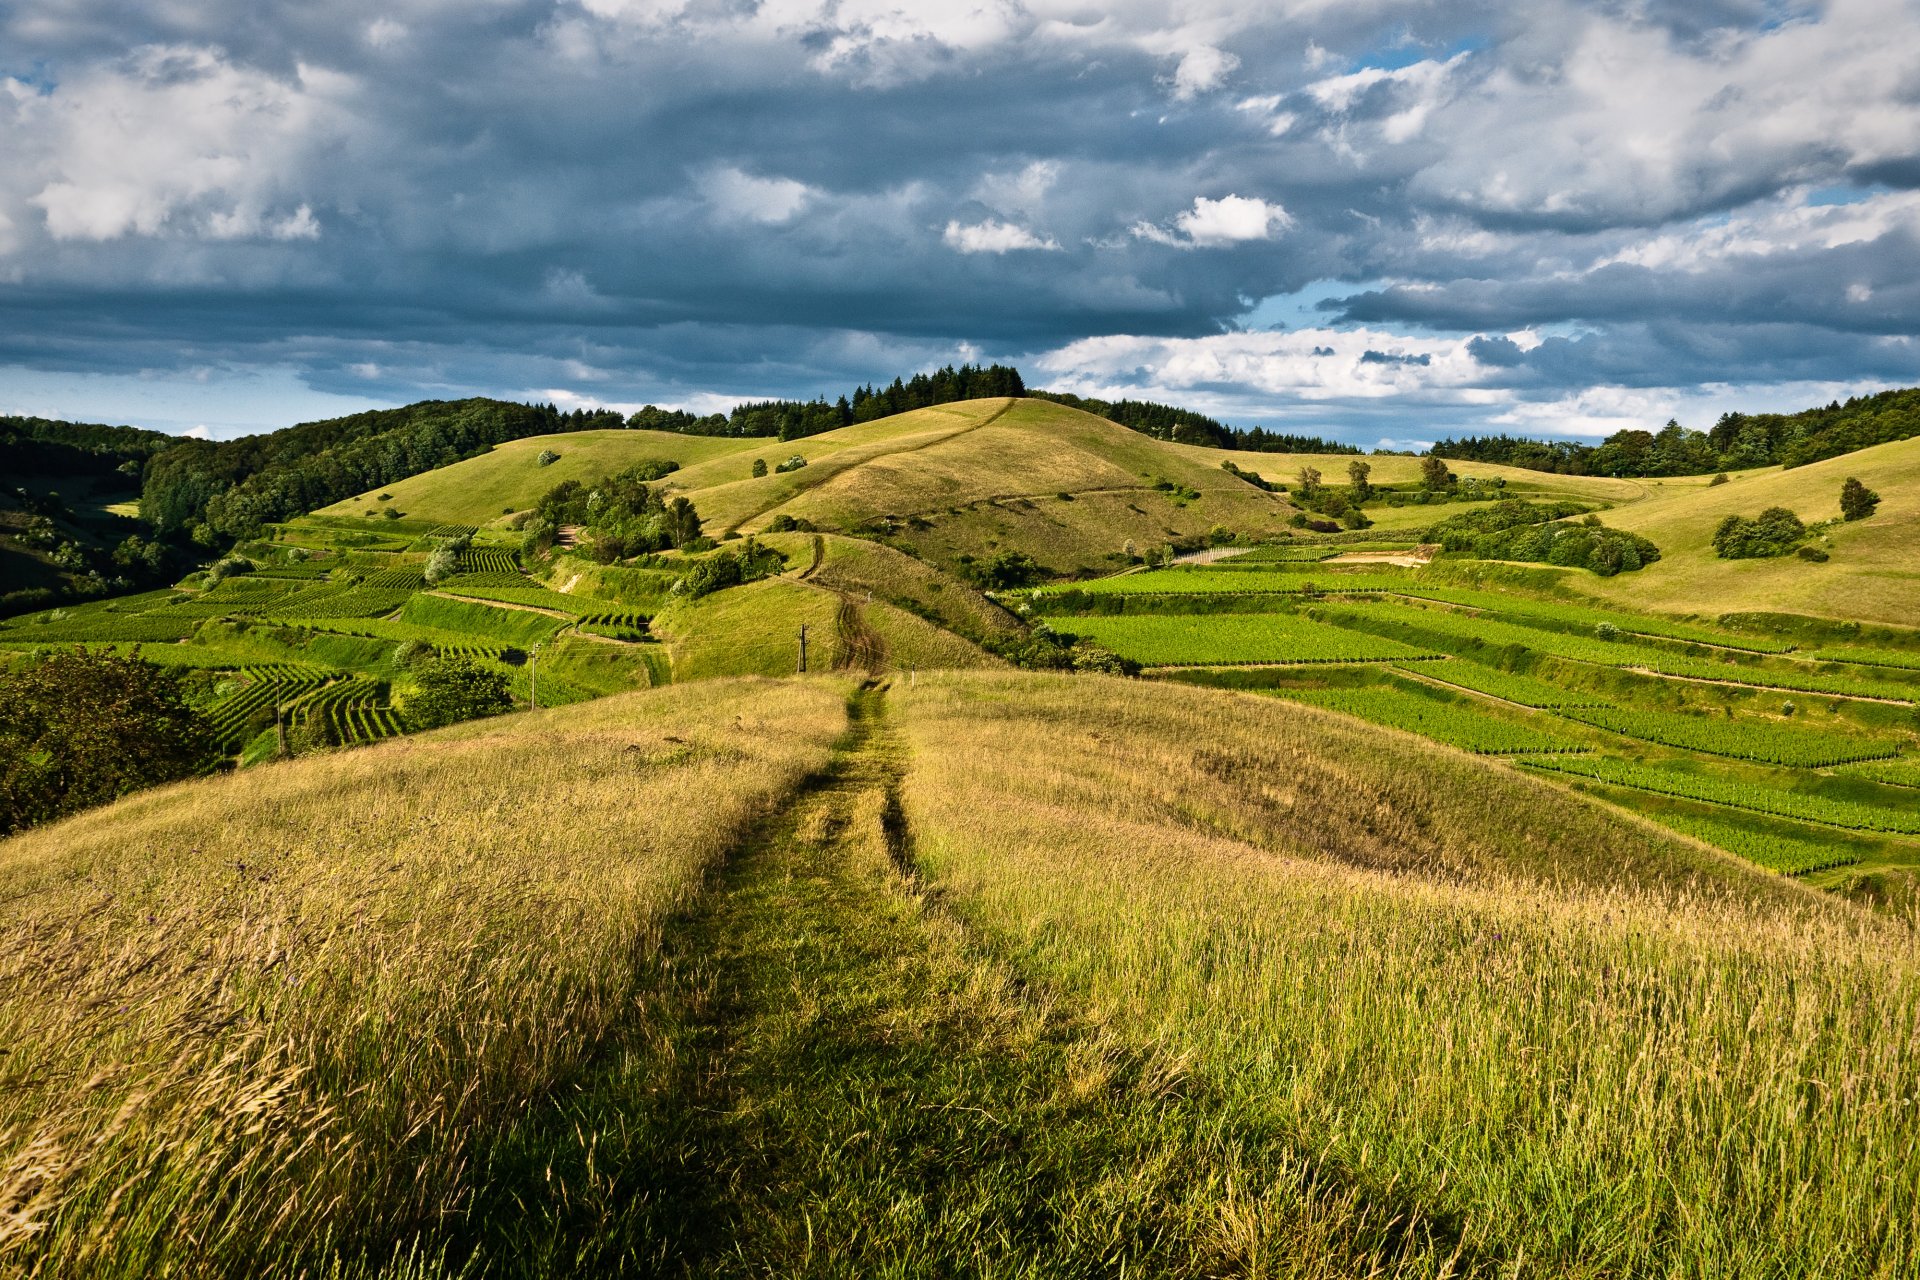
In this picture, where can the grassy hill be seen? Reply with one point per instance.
(1874, 573)
(963, 479)
(510, 477)
(995, 972)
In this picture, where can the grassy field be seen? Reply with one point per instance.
(995, 974)
(1874, 573)
(509, 477)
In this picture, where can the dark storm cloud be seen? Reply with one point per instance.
(650, 200)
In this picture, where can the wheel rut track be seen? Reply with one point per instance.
(834, 1075)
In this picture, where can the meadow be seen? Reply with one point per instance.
(1454, 919)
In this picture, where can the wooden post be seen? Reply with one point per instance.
(533, 679)
(280, 727)
(803, 648)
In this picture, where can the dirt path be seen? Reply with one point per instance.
(861, 647)
(1419, 557)
(863, 1094)
(502, 604)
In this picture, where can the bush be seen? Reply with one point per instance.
(1718, 480)
(82, 728)
(1813, 553)
(792, 464)
(390, 513)
(231, 566)
(547, 458)
(455, 689)
(1774, 532)
(441, 565)
(1856, 500)
(784, 523)
(759, 467)
(1006, 571)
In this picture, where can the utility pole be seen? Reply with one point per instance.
(803, 648)
(280, 727)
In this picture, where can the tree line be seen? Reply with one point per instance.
(1735, 442)
(795, 419)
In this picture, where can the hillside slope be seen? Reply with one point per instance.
(1874, 575)
(679, 981)
(510, 477)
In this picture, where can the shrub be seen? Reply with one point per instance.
(82, 728)
(1607, 631)
(1813, 553)
(547, 458)
(784, 523)
(1774, 532)
(442, 564)
(792, 464)
(1006, 571)
(1719, 479)
(759, 467)
(390, 513)
(1856, 500)
(455, 689)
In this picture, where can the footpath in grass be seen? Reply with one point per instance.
(845, 1085)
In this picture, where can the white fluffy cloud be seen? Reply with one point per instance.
(174, 140)
(994, 236)
(1214, 224)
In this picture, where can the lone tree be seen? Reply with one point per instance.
(1434, 475)
(82, 728)
(1309, 483)
(442, 564)
(1360, 476)
(455, 689)
(1856, 500)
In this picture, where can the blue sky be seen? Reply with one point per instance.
(1381, 221)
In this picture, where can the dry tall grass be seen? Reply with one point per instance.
(268, 1021)
(1555, 1041)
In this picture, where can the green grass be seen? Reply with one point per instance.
(520, 627)
(1874, 575)
(1233, 638)
(509, 477)
(1453, 722)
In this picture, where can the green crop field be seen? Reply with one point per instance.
(1453, 722)
(1738, 737)
(1525, 690)
(1208, 580)
(1739, 794)
(1235, 638)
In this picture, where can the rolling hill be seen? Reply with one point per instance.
(999, 971)
(1874, 573)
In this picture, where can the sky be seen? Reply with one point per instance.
(1383, 221)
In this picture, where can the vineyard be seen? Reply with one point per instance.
(1738, 739)
(489, 560)
(246, 712)
(1906, 659)
(1525, 690)
(1785, 678)
(616, 624)
(1893, 773)
(1226, 639)
(1790, 852)
(1220, 581)
(1453, 723)
(1779, 802)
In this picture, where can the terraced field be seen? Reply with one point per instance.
(1236, 638)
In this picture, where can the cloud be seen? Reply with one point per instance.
(1213, 224)
(670, 199)
(993, 236)
(736, 194)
